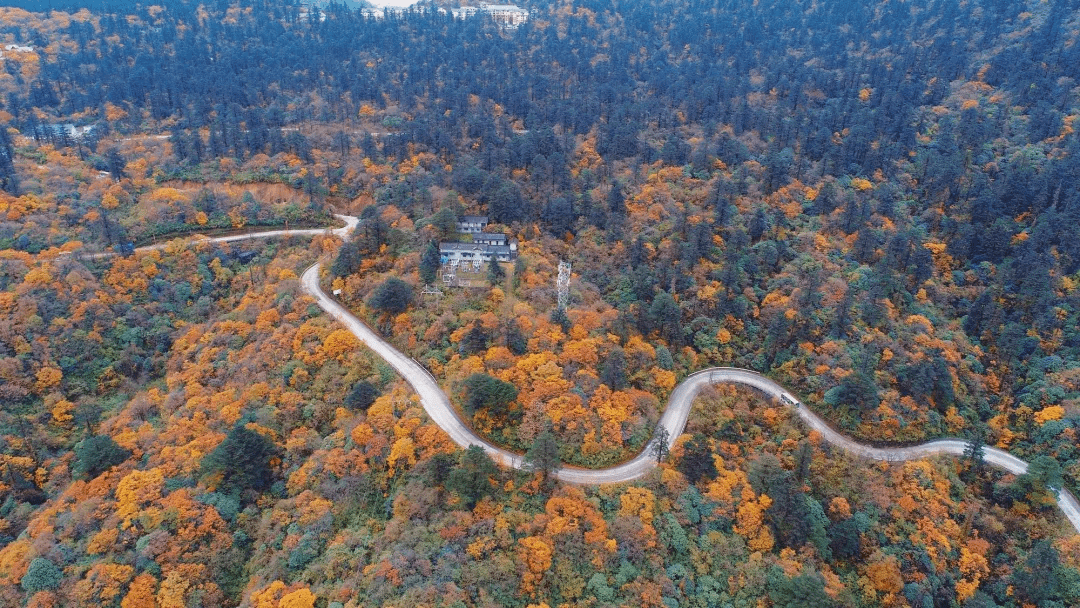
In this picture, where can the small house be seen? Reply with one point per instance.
(489, 238)
(470, 224)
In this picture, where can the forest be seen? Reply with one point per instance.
(874, 204)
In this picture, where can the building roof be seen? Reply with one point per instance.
(474, 247)
(482, 219)
(462, 247)
(488, 236)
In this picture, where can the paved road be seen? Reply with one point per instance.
(435, 402)
(441, 411)
(343, 232)
(438, 406)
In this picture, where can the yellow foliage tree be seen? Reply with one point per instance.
(1054, 412)
(861, 184)
(973, 567)
(535, 554)
(141, 592)
(403, 449)
(640, 502)
(102, 583)
(884, 573)
(173, 591)
(47, 379)
(102, 542)
(339, 343)
(114, 113)
(136, 492)
(301, 598)
(268, 597)
(750, 522)
(63, 413)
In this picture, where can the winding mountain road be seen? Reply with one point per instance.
(438, 406)
(350, 224)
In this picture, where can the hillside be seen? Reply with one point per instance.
(875, 205)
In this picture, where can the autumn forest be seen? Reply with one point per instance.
(873, 204)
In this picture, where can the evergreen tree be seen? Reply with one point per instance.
(241, 462)
(97, 454)
(697, 461)
(660, 443)
(484, 392)
(471, 480)
(616, 202)
(9, 180)
(41, 575)
(543, 455)
(514, 339)
(362, 395)
(560, 318)
(806, 589)
(613, 372)
(446, 222)
(429, 264)
(495, 275)
(475, 341)
(975, 451)
(392, 296)
(347, 260)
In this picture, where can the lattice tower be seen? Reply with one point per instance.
(563, 284)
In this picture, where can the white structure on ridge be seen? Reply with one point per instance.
(506, 15)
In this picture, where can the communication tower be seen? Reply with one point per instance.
(563, 284)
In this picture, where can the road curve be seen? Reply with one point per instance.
(438, 407)
(350, 224)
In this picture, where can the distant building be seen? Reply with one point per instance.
(73, 131)
(507, 15)
(62, 134)
(392, 11)
(464, 12)
(472, 224)
(16, 48)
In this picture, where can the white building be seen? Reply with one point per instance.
(484, 246)
(474, 252)
(464, 12)
(472, 224)
(490, 238)
(15, 48)
(508, 15)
